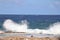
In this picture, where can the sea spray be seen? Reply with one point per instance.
(23, 27)
(55, 28)
(14, 27)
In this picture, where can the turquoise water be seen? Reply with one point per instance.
(35, 21)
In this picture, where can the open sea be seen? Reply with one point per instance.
(35, 21)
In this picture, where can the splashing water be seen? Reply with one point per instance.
(23, 27)
(12, 26)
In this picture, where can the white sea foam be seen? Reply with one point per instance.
(2, 31)
(12, 26)
(23, 27)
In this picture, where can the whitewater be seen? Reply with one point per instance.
(10, 25)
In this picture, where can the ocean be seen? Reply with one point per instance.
(35, 21)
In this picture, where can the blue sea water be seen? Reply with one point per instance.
(35, 21)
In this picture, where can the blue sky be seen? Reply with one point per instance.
(35, 7)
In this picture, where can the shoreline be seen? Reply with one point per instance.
(27, 36)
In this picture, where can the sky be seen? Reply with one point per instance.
(33, 7)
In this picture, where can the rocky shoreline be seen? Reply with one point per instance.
(27, 36)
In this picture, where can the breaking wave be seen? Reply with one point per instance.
(23, 27)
